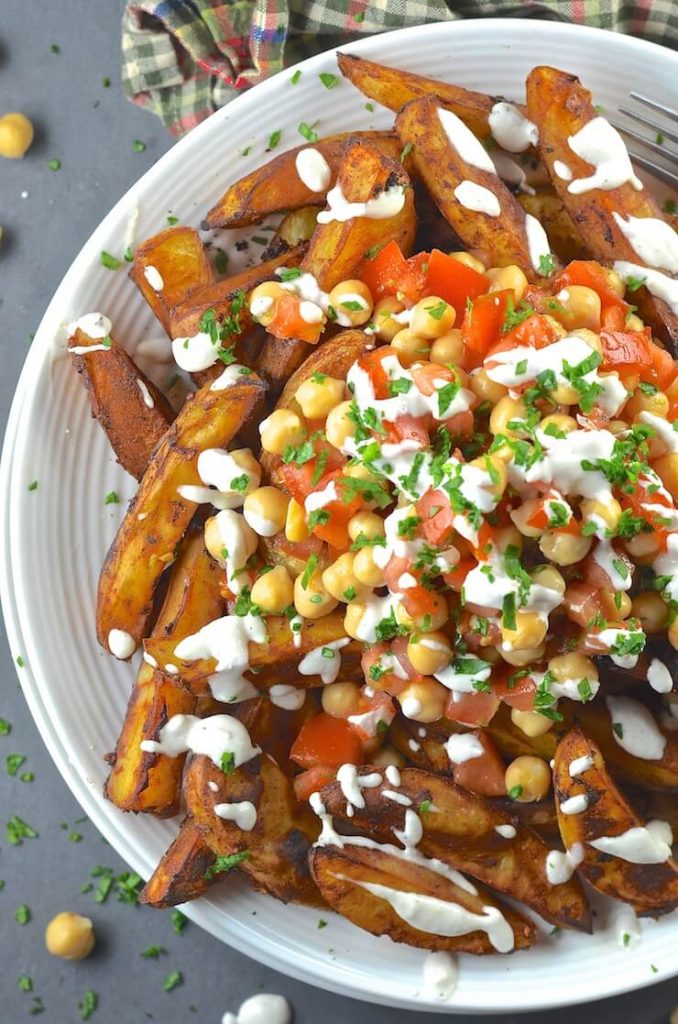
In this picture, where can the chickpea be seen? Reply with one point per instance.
(469, 260)
(366, 570)
(410, 347)
(657, 404)
(338, 426)
(507, 536)
(429, 653)
(340, 581)
(273, 592)
(424, 700)
(633, 323)
(296, 527)
(262, 301)
(386, 326)
(530, 722)
(615, 281)
(507, 277)
(265, 510)
(432, 317)
(617, 426)
(214, 541)
(615, 604)
(448, 348)
(353, 618)
(609, 511)
(520, 658)
(312, 601)
(528, 779)
(564, 548)
(573, 666)
(495, 469)
(486, 389)
(643, 547)
(69, 936)
(558, 421)
(282, 428)
(16, 136)
(530, 630)
(507, 410)
(318, 395)
(580, 307)
(389, 756)
(366, 523)
(431, 621)
(523, 513)
(340, 699)
(591, 338)
(352, 301)
(652, 611)
(549, 577)
(564, 394)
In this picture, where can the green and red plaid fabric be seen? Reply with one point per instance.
(183, 59)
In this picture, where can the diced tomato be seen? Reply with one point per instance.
(626, 351)
(324, 740)
(613, 318)
(389, 273)
(419, 602)
(455, 578)
(592, 275)
(382, 704)
(472, 708)
(453, 281)
(663, 367)
(482, 325)
(485, 774)
(598, 577)
(302, 549)
(408, 428)
(388, 681)
(513, 688)
(335, 529)
(372, 364)
(535, 332)
(640, 498)
(437, 518)
(460, 426)
(301, 480)
(313, 780)
(289, 323)
(427, 376)
(583, 604)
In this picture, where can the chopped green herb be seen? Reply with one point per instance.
(634, 283)
(349, 594)
(546, 265)
(106, 82)
(370, 107)
(509, 611)
(659, 139)
(20, 662)
(112, 498)
(359, 17)
(618, 730)
(74, 837)
(424, 806)
(322, 924)
(407, 149)
(328, 80)
(515, 792)
(25, 983)
(228, 762)
(22, 914)
(224, 864)
(309, 570)
(16, 830)
(14, 762)
(108, 261)
(295, 77)
(27, 776)
(172, 220)
(179, 922)
(33, 486)
(153, 952)
(515, 315)
(138, 146)
(274, 139)
(307, 131)
(319, 517)
(438, 310)
(128, 255)
(88, 1004)
(54, 48)
(239, 483)
(220, 261)
(54, 164)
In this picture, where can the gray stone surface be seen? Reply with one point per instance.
(91, 129)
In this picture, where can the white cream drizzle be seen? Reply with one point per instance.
(94, 325)
(464, 141)
(649, 844)
(660, 285)
(387, 204)
(511, 129)
(563, 171)
(464, 746)
(580, 765)
(659, 677)
(654, 241)
(231, 376)
(121, 644)
(287, 697)
(313, 170)
(146, 395)
(352, 785)
(212, 737)
(154, 278)
(575, 804)
(325, 665)
(506, 831)
(477, 198)
(263, 1008)
(637, 732)
(195, 353)
(537, 241)
(243, 814)
(226, 640)
(439, 976)
(601, 145)
(561, 866)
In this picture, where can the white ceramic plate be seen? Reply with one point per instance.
(55, 538)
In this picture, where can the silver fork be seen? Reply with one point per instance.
(664, 128)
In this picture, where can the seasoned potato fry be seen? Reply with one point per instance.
(132, 410)
(297, 226)
(344, 875)
(652, 888)
(560, 106)
(142, 781)
(548, 208)
(183, 872)
(280, 358)
(277, 186)
(443, 169)
(337, 249)
(394, 88)
(274, 662)
(144, 547)
(176, 261)
(462, 832)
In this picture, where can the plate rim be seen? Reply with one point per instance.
(275, 955)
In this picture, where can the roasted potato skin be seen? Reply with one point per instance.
(143, 548)
(443, 169)
(338, 873)
(180, 258)
(560, 106)
(394, 88)
(182, 874)
(563, 234)
(143, 781)
(276, 186)
(650, 888)
(462, 833)
(337, 250)
(112, 381)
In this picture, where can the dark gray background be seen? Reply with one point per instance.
(91, 129)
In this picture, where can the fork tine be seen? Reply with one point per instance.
(659, 172)
(666, 132)
(668, 111)
(654, 146)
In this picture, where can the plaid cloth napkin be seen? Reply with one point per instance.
(182, 59)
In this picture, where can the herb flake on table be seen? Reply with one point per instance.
(172, 981)
(22, 914)
(138, 146)
(16, 830)
(88, 1004)
(13, 762)
(5, 726)
(54, 164)
(179, 922)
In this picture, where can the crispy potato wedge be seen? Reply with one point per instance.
(443, 169)
(143, 548)
(277, 186)
(393, 89)
(183, 872)
(274, 662)
(563, 234)
(280, 358)
(141, 781)
(297, 226)
(651, 888)
(343, 876)
(334, 358)
(560, 106)
(337, 249)
(131, 409)
(461, 832)
(179, 257)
